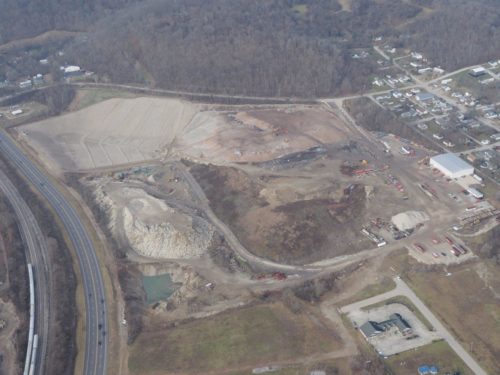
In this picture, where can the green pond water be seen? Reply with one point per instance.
(158, 287)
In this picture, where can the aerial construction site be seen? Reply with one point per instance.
(229, 225)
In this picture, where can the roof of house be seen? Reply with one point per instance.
(451, 162)
(424, 96)
(371, 328)
(398, 320)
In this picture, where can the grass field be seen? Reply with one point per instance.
(437, 354)
(252, 336)
(469, 309)
(384, 285)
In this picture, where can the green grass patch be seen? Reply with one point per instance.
(231, 340)
(437, 354)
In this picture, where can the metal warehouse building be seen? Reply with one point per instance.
(451, 165)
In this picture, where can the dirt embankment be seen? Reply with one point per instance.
(15, 291)
(62, 287)
(280, 223)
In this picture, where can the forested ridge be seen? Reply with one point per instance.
(256, 47)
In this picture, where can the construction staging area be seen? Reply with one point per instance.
(217, 216)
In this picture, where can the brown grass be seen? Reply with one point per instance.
(437, 354)
(235, 339)
(467, 307)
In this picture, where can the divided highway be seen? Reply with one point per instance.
(96, 327)
(37, 255)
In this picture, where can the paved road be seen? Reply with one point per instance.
(402, 289)
(36, 254)
(95, 360)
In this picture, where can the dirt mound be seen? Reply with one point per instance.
(150, 226)
(409, 219)
(286, 219)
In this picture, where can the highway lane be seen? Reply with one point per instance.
(96, 327)
(36, 254)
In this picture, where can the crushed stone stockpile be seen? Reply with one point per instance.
(409, 219)
(151, 227)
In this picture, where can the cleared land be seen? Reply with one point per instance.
(438, 354)
(113, 132)
(258, 135)
(468, 307)
(302, 214)
(235, 339)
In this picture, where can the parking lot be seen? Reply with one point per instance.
(393, 341)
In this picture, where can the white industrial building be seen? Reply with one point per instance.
(451, 165)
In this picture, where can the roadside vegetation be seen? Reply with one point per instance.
(437, 354)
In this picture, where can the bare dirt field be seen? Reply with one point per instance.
(298, 215)
(113, 132)
(124, 130)
(258, 135)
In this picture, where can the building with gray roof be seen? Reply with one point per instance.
(451, 165)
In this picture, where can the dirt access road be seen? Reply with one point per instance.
(402, 289)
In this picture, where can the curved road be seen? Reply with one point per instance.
(95, 361)
(37, 255)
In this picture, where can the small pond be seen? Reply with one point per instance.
(158, 288)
